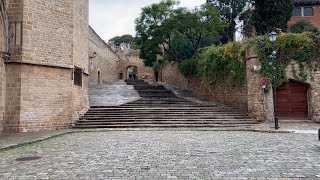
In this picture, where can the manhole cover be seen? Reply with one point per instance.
(29, 158)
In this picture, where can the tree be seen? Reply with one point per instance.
(175, 33)
(127, 38)
(303, 26)
(271, 14)
(230, 10)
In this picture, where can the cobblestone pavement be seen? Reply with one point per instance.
(167, 155)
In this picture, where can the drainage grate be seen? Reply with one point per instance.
(29, 158)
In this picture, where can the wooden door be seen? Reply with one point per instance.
(292, 100)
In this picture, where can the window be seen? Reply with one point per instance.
(302, 11)
(297, 11)
(77, 76)
(307, 11)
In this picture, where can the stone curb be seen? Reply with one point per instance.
(42, 138)
(183, 129)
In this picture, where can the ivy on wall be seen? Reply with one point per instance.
(226, 64)
(300, 51)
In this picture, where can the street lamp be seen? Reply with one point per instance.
(273, 65)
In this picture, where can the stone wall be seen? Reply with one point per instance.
(12, 98)
(46, 97)
(105, 61)
(3, 48)
(234, 97)
(81, 55)
(47, 39)
(261, 107)
(47, 32)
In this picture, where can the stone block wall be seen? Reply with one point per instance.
(81, 55)
(233, 97)
(46, 97)
(2, 92)
(106, 61)
(3, 48)
(258, 106)
(47, 32)
(12, 98)
(47, 39)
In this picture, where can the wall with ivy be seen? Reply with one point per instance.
(230, 96)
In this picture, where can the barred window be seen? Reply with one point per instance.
(77, 76)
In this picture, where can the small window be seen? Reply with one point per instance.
(307, 11)
(297, 11)
(77, 76)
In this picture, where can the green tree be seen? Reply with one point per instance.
(127, 38)
(303, 26)
(231, 10)
(271, 14)
(175, 33)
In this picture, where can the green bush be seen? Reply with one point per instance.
(303, 26)
(189, 67)
(218, 64)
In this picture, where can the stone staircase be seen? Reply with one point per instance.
(161, 108)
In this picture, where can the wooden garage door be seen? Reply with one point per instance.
(292, 100)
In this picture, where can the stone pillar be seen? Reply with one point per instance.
(259, 107)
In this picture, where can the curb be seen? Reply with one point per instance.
(42, 138)
(183, 129)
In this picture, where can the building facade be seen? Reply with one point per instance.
(306, 10)
(44, 81)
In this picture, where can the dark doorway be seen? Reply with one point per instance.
(121, 76)
(99, 78)
(157, 75)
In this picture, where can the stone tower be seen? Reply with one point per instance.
(44, 83)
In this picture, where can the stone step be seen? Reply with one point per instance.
(161, 108)
(182, 119)
(166, 113)
(81, 123)
(162, 126)
(163, 117)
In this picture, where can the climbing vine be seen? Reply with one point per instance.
(226, 64)
(301, 51)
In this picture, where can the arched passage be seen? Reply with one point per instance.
(292, 100)
(132, 72)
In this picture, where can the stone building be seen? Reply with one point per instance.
(104, 62)
(44, 82)
(109, 62)
(306, 10)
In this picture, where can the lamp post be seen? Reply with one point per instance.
(273, 65)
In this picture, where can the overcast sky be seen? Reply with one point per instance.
(111, 18)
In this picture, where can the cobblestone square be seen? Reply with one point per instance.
(167, 155)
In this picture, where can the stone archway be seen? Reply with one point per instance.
(132, 72)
